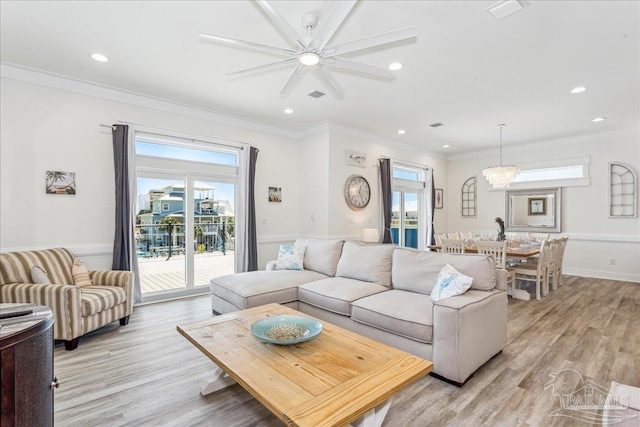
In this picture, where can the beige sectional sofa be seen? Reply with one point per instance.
(383, 292)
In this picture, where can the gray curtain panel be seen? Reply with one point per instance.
(252, 241)
(124, 255)
(385, 185)
(432, 238)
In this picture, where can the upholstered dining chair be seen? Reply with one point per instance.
(537, 272)
(452, 246)
(498, 250)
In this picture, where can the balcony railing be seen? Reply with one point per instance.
(158, 240)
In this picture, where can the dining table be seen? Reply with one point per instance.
(517, 252)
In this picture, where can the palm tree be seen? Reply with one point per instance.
(198, 231)
(168, 223)
(52, 178)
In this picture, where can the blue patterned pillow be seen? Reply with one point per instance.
(450, 282)
(290, 258)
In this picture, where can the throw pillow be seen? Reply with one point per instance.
(39, 275)
(80, 274)
(290, 258)
(450, 282)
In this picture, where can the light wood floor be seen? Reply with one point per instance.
(146, 374)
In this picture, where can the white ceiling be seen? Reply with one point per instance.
(466, 69)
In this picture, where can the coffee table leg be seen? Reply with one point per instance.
(219, 381)
(375, 416)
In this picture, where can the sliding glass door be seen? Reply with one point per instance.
(185, 226)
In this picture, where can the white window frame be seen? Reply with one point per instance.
(411, 186)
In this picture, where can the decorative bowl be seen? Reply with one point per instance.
(286, 329)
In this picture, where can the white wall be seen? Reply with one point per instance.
(345, 223)
(51, 129)
(594, 238)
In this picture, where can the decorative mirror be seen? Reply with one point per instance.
(623, 191)
(538, 211)
(469, 197)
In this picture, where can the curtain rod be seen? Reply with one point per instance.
(404, 162)
(170, 130)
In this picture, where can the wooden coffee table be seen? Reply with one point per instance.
(333, 380)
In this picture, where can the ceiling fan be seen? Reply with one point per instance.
(312, 52)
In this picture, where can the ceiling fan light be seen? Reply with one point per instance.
(309, 58)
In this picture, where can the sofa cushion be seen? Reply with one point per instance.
(321, 255)
(80, 274)
(255, 288)
(39, 275)
(417, 271)
(337, 293)
(96, 299)
(404, 313)
(370, 263)
(290, 258)
(450, 283)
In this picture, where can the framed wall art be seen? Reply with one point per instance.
(537, 206)
(58, 182)
(275, 194)
(356, 158)
(439, 198)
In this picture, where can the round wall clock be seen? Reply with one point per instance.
(357, 192)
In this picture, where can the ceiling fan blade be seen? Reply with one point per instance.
(281, 24)
(263, 67)
(329, 81)
(293, 80)
(246, 43)
(371, 41)
(324, 33)
(347, 64)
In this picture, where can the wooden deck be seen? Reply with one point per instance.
(159, 274)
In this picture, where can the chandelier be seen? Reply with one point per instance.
(501, 176)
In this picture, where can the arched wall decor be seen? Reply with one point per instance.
(469, 198)
(623, 191)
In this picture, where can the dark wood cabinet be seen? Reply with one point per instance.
(26, 365)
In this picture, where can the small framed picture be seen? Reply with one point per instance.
(58, 182)
(275, 194)
(356, 158)
(439, 198)
(537, 206)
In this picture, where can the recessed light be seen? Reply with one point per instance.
(599, 119)
(395, 66)
(288, 111)
(578, 89)
(446, 146)
(401, 131)
(99, 57)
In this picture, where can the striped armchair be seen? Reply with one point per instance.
(76, 310)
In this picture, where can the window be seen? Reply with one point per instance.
(165, 206)
(547, 174)
(408, 213)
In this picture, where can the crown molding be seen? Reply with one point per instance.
(83, 87)
(551, 143)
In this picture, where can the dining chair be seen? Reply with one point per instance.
(554, 272)
(466, 235)
(452, 246)
(537, 272)
(498, 250)
(439, 238)
(453, 235)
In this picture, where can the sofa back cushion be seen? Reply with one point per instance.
(15, 267)
(417, 271)
(370, 263)
(321, 255)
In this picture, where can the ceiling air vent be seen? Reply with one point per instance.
(435, 125)
(502, 9)
(316, 94)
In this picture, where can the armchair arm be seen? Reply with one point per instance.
(63, 300)
(122, 279)
(468, 330)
